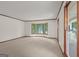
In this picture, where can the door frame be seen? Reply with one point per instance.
(78, 28)
(66, 28)
(65, 25)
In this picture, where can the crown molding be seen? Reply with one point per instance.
(38, 20)
(59, 9)
(11, 17)
(26, 20)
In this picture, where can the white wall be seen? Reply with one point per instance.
(10, 28)
(61, 27)
(52, 28)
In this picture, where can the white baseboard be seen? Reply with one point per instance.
(43, 36)
(27, 36)
(11, 39)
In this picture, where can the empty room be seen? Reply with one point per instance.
(39, 29)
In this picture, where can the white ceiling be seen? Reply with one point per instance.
(30, 10)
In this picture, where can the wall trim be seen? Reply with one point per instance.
(59, 9)
(11, 17)
(38, 20)
(26, 20)
(12, 39)
(43, 36)
(61, 49)
(26, 36)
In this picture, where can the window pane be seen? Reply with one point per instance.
(33, 28)
(72, 33)
(40, 28)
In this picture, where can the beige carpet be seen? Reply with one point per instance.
(31, 47)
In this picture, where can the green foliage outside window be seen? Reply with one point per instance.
(40, 28)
